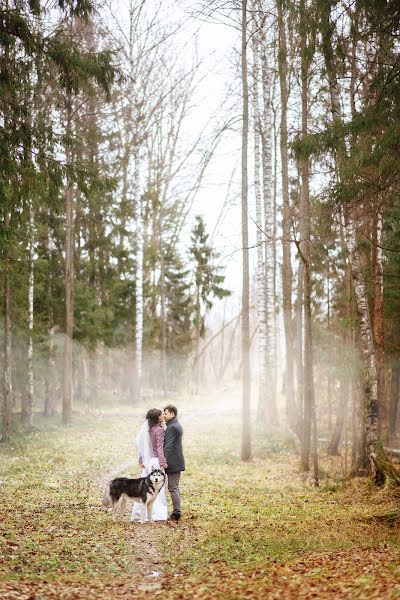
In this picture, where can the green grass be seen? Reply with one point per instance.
(238, 517)
(50, 522)
(245, 514)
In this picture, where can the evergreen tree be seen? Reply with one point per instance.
(207, 280)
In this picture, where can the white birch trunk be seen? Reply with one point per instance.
(276, 363)
(139, 278)
(378, 329)
(50, 408)
(367, 342)
(261, 313)
(163, 315)
(52, 375)
(268, 229)
(28, 420)
(221, 360)
(246, 341)
(69, 284)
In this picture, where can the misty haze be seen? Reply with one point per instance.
(199, 318)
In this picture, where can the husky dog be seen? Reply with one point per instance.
(144, 490)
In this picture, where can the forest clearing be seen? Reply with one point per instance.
(250, 530)
(200, 299)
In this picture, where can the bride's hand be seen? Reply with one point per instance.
(141, 466)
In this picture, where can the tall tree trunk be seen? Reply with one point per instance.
(139, 278)
(328, 311)
(246, 382)
(353, 391)
(271, 412)
(222, 352)
(52, 374)
(377, 265)
(7, 397)
(305, 253)
(27, 405)
(84, 380)
(373, 447)
(198, 330)
(375, 452)
(69, 281)
(394, 401)
(336, 111)
(287, 274)
(299, 314)
(263, 391)
(310, 416)
(275, 299)
(163, 323)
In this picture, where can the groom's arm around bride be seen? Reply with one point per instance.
(174, 456)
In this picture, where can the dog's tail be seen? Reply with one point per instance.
(107, 502)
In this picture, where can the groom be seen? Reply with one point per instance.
(174, 455)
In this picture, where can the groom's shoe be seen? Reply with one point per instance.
(175, 516)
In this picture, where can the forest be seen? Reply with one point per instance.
(200, 208)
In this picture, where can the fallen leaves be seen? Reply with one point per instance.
(249, 530)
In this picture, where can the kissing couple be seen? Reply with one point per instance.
(159, 446)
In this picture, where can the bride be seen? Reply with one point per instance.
(150, 445)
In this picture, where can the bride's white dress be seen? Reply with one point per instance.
(160, 509)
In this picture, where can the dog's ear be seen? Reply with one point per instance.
(152, 469)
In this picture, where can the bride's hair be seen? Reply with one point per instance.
(153, 417)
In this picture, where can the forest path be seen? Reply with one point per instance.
(249, 530)
(148, 561)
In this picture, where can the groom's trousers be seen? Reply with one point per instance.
(173, 488)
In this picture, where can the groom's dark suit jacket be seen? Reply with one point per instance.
(173, 446)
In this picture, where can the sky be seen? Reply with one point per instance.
(219, 92)
(216, 100)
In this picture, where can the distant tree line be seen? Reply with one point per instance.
(91, 212)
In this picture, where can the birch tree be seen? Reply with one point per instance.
(263, 383)
(139, 275)
(246, 382)
(266, 132)
(69, 272)
(27, 406)
(354, 211)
